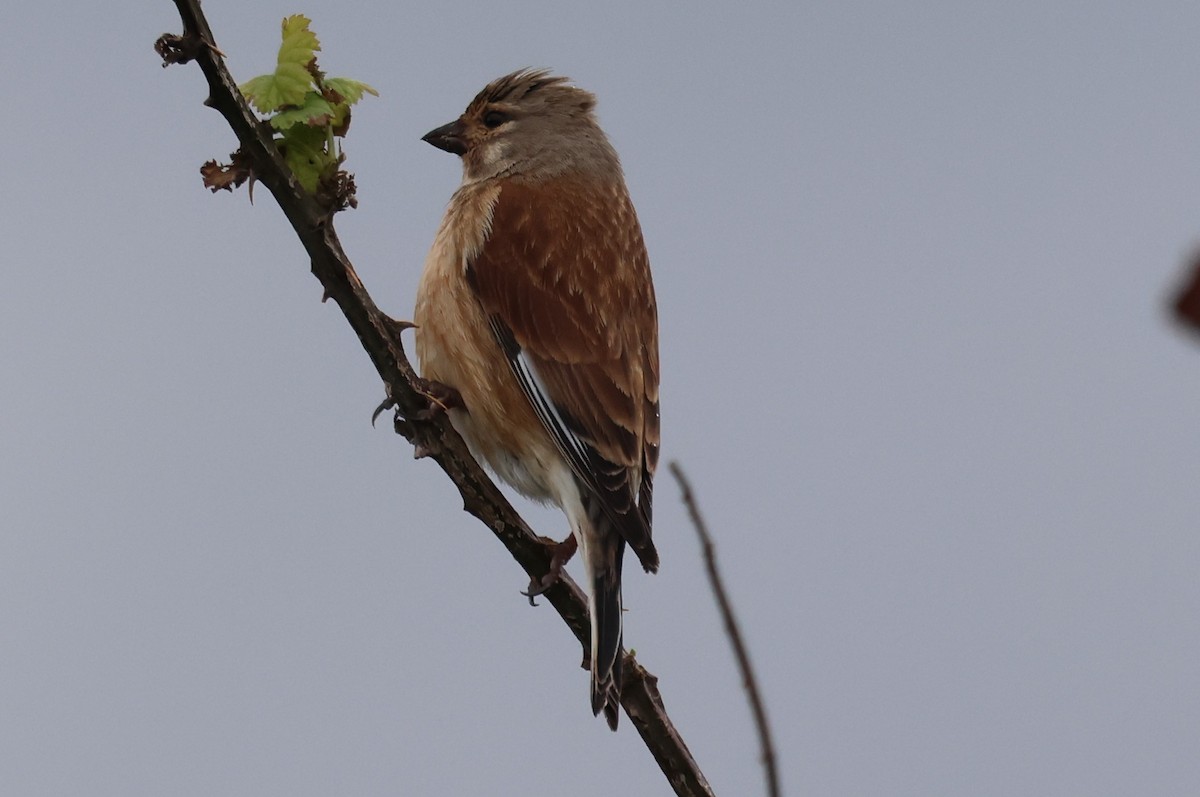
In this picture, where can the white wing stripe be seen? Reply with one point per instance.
(568, 443)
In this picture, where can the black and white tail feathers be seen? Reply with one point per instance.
(605, 599)
(604, 552)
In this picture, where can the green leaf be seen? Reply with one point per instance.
(351, 91)
(314, 111)
(291, 80)
(309, 109)
(256, 90)
(303, 148)
(288, 85)
(300, 44)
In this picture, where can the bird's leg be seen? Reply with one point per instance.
(563, 552)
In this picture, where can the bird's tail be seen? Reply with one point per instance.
(603, 553)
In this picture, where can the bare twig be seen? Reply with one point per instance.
(380, 337)
(731, 627)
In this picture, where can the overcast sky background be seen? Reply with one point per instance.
(911, 262)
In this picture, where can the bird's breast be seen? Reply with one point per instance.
(455, 346)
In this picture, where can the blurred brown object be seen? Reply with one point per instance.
(1187, 300)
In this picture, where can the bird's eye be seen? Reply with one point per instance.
(493, 119)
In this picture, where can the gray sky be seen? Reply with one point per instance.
(910, 264)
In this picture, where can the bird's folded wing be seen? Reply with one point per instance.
(564, 280)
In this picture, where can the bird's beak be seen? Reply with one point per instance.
(448, 137)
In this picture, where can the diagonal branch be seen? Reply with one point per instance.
(732, 629)
(434, 436)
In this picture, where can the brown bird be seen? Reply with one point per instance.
(537, 307)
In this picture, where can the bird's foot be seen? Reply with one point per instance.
(563, 552)
(441, 397)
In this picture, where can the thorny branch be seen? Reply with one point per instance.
(380, 337)
(732, 629)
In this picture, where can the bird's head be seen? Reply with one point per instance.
(529, 123)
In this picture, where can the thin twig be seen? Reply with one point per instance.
(380, 338)
(731, 627)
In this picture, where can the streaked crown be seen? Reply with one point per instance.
(528, 123)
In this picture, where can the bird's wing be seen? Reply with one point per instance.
(565, 282)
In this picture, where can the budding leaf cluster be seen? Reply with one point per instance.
(307, 110)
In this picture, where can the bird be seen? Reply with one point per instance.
(536, 312)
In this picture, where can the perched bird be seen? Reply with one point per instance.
(537, 310)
